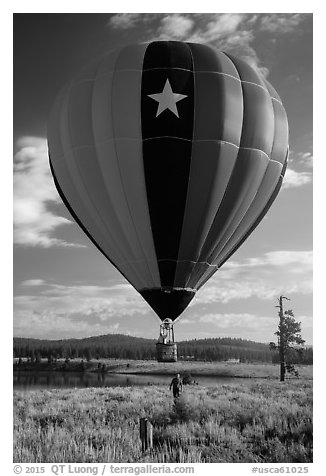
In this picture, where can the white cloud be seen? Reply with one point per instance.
(281, 22)
(230, 32)
(34, 190)
(224, 320)
(263, 278)
(302, 259)
(293, 178)
(307, 159)
(33, 282)
(228, 291)
(123, 21)
(251, 326)
(52, 325)
(103, 301)
(230, 323)
(81, 310)
(304, 159)
(260, 328)
(175, 26)
(269, 289)
(76, 310)
(220, 25)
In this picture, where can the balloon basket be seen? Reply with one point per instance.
(166, 348)
(166, 352)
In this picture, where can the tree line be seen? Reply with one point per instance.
(134, 348)
(222, 349)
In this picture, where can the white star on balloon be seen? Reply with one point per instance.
(167, 99)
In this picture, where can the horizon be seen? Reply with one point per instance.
(148, 338)
(63, 287)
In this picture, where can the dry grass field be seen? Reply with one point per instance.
(261, 422)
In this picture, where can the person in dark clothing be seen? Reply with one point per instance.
(176, 384)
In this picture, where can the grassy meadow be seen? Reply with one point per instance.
(265, 421)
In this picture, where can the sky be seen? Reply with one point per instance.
(63, 286)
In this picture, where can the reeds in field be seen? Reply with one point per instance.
(266, 422)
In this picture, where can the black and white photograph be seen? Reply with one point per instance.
(163, 236)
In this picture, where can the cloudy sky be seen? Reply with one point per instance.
(63, 286)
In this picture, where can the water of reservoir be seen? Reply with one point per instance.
(49, 380)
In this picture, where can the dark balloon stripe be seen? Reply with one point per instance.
(166, 168)
(167, 148)
(167, 54)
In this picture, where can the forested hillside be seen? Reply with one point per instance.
(135, 348)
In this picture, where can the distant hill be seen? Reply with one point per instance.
(137, 348)
(104, 346)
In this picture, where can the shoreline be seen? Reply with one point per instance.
(193, 375)
(266, 371)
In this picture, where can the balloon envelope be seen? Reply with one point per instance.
(168, 155)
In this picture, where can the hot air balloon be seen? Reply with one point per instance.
(168, 155)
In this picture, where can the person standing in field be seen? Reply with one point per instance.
(176, 384)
